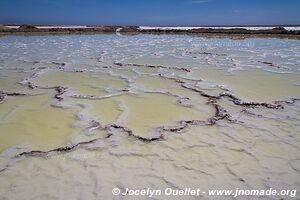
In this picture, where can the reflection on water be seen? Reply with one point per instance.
(147, 111)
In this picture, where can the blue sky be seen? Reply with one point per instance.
(151, 12)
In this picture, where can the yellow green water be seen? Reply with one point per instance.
(32, 122)
(254, 85)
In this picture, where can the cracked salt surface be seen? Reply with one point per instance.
(82, 114)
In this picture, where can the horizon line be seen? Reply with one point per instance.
(233, 25)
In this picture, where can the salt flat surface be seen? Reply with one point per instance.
(88, 113)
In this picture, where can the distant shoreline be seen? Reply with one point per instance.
(240, 31)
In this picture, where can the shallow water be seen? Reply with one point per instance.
(106, 111)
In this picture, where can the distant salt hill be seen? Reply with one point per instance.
(57, 26)
(285, 31)
(290, 28)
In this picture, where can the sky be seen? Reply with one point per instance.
(150, 12)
